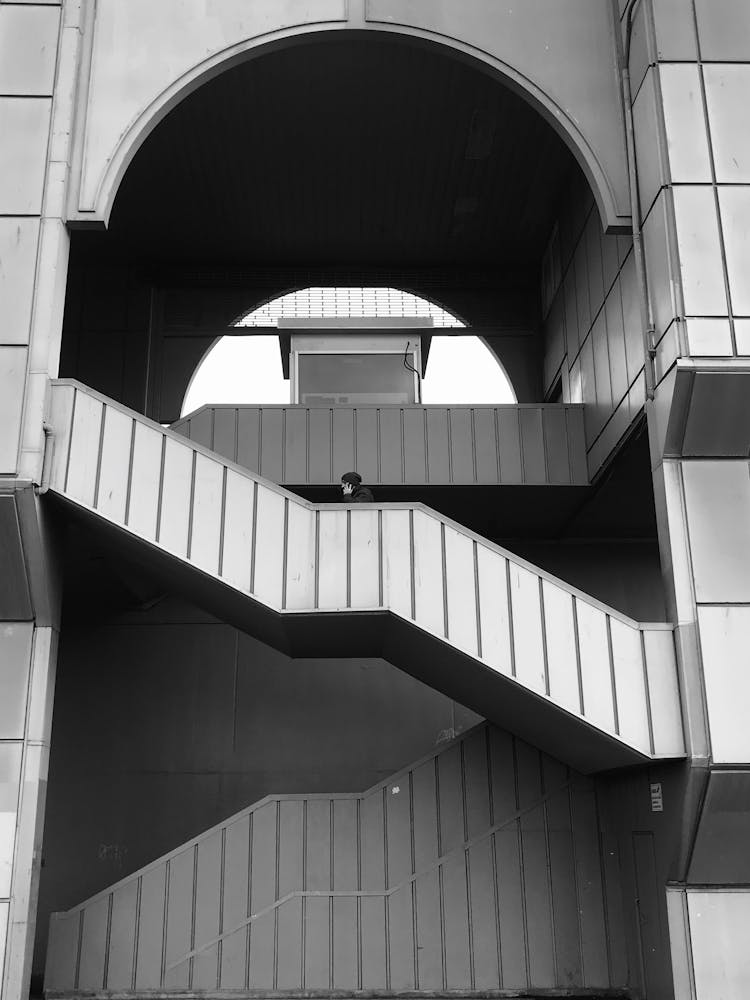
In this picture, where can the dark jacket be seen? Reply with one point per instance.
(360, 494)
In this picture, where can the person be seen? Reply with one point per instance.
(353, 490)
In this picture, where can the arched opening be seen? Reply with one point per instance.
(247, 369)
(542, 95)
(425, 173)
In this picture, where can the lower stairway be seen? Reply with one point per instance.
(480, 870)
(564, 672)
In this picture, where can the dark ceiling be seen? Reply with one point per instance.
(354, 149)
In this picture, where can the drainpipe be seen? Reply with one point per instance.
(49, 450)
(647, 320)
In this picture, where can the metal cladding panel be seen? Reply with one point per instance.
(478, 867)
(331, 532)
(438, 445)
(62, 949)
(234, 903)
(589, 880)
(415, 446)
(142, 510)
(397, 563)
(555, 437)
(663, 692)
(84, 448)
(365, 528)
(429, 573)
(93, 946)
(344, 437)
(533, 445)
(485, 445)
(345, 930)
(562, 650)
(367, 445)
(562, 878)
(290, 880)
(238, 535)
(460, 590)
(301, 557)
(207, 511)
(534, 890)
(295, 451)
(494, 611)
(272, 445)
(121, 960)
(318, 448)
(262, 892)
(529, 645)
(618, 363)
(179, 919)
(15, 598)
(176, 497)
(595, 658)
(150, 930)
(509, 446)
(485, 611)
(267, 568)
(202, 426)
(247, 443)
(462, 445)
(484, 938)
(225, 433)
(390, 445)
(207, 911)
(112, 487)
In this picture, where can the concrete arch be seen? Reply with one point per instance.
(610, 193)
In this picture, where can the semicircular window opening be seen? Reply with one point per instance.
(241, 369)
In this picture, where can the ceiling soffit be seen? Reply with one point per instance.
(350, 150)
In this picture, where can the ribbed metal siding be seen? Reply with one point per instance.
(477, 868)
(437, 445)
(615, 674)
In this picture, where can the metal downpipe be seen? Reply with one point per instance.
(647, 320)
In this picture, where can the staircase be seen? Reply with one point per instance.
(533, 655)
(477, 871)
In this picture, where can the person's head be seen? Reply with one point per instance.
(349, 482)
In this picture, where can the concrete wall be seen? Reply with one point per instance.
(690, 75)
(38, 63)
(175, 48)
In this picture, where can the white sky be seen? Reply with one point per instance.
(237, 369)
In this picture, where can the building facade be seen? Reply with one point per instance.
(487, 734)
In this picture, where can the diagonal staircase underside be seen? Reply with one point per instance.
(533, 655)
